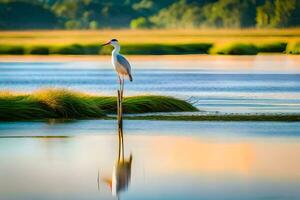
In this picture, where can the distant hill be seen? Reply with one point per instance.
(94, 14)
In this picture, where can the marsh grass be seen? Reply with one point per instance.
(74, 49)
(294, 48)
(275, 47)
(156, 42)
(152, 49)
(67, 104)
(12, 49)
(235, 49)
(38, 50)
(61, 103)
(161, 49)
(129, 49)
(186, 36)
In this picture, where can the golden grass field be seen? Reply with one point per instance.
(223, 36)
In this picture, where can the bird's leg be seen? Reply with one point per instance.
(121, 102)
(122, 91)
(119, 149)
(120, 82)
(121, 144)
(118, 100)
(121, 130)
(121, 119)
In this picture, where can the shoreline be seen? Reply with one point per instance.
(227, 118)
(273, 62)
(88, 58)
(194, 118)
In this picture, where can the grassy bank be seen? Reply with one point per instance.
(156, 42)
(155, 49)
(60, 103)
(230, 117)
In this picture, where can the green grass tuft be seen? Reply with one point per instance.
(68, 104)
(22, 107)
(161, 49)
(143, 104)
(293, 48)
(235, 49)
(74, 49)
(39, 50)
(276, 47)
(12, 50)
(61, 103)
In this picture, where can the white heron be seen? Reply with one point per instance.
(123, 69)
(120, 63)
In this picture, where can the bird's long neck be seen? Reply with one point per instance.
(116, 49)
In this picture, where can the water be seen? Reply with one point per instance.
(170, 160)
(229, 85)
(75, 160)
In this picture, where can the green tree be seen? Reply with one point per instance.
(91, 14)
(140, 23)
(283, 12)
(72, 24)
(277, 13)
(24, 15)
(264, 15)
(229, 14)
(178, 15)
(93, 25)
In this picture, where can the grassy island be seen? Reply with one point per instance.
(65, 104)
(61, 103)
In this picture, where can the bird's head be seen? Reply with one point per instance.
(113, 42)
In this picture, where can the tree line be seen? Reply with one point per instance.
(142, 14)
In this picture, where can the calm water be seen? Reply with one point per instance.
(170, 160)
(241, 84)
(76, 160)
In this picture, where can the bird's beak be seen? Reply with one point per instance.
(105, 44)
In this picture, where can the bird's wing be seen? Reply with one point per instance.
(124, 62)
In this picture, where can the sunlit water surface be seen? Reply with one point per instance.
(222, 84)
(77, 160)
(170, 160)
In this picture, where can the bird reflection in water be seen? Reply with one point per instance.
(121, 171)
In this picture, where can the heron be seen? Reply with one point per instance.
(120, 63)
(123, 70)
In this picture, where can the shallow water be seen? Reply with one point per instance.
(237, 85)
(170, 160)
(75, 160)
